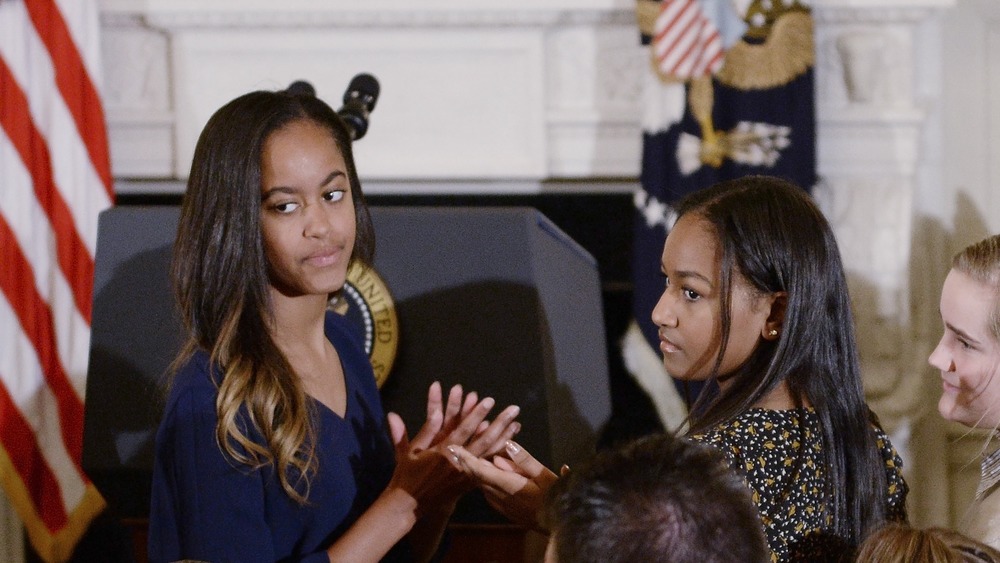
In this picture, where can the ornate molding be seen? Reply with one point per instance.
(333, 17)
(879, 12)
(136, 78)
(111, 19)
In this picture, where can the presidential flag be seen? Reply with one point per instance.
(729, 93)
(55, 178)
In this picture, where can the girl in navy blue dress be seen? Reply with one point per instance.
(273, 444)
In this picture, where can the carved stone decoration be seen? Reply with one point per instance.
(569, 56)
(135, 69)
(620, 60)
(871, 217)
(525, 86)
(865, 63)
(136, 97)
(871, 141)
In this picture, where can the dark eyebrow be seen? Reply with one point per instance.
(961, 333)
(696, 275)
(289, 190)
(278, 190)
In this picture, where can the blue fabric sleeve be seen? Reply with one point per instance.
(217, 511)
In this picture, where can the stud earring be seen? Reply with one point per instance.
(772, 332)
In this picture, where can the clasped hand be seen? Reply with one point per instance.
(514, 483)
(425, 468)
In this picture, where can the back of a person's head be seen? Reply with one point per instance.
(658, 499)
(899, 543)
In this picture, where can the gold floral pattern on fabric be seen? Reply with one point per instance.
(780, 455)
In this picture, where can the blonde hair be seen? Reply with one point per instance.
(899, 543)
(981, 262)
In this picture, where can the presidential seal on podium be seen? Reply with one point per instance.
(365, 301)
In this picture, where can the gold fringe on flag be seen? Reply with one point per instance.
(51, 546)
(786, 53)
(645, 15)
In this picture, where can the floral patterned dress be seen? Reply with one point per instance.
(780, 455)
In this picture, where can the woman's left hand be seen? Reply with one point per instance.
(462, 421)
(514, 484)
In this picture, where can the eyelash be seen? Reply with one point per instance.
(689, 294)
(283, 207)
(332, 196)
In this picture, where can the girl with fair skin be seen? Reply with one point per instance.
(755, 302)
(273, 444)
(968, 356)
(898, 543)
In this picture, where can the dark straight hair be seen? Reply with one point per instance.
(773, 235)
(220, 277)
(220, 229)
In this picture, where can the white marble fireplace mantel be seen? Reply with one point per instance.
(470, 90)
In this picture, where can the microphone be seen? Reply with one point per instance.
(359, 101)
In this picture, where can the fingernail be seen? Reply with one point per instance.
(517, 427)
(515, 410)
(512, 447)
(488, 402)
(454, 455)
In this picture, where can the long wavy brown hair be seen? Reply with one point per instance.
(221, 284)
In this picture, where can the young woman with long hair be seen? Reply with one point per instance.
(755, 303)
(968, 356)
(274, 445)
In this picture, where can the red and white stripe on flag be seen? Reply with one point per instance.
(686, 42)
(55, 178)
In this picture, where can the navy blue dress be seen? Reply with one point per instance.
(205, 508)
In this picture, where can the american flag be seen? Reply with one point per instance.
(686, 42)
(55, 178)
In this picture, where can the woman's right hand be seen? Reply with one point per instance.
(423, 466)
(416, 502)
(426, 475)
(462, 421)
(515, 485)
(426, 483)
